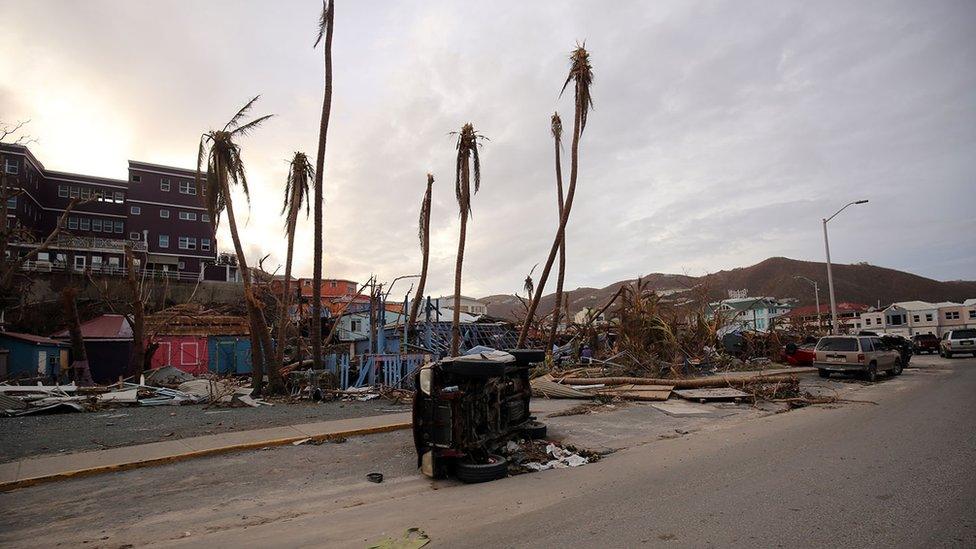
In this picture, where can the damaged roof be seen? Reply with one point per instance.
(194, 320)
(108, 327)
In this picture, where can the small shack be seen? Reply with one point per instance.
(29, 355)
(197, 340)
(108, 344)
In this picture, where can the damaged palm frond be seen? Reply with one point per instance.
(581, 73)
(529, 285)
(300, 173)
(324, 22)
(423, 232)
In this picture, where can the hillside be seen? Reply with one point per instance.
(859, 283)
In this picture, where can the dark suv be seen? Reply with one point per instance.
(925, 343)
(467, 407)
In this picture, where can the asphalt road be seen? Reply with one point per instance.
(893, 471)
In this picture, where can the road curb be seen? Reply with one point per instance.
(23, 483)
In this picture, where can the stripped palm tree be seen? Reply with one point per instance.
(556, 126)
(220, 156)
(423, 226)
(581, 73)
(325, 30)
(296, 194)
(467, 162)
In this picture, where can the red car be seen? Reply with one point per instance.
(925, 343)
(800, 355)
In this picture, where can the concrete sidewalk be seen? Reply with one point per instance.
(26, 472)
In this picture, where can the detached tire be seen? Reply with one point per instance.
(872, 373)
(470, 473)
(534, 430)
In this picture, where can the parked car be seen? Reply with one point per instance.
(467, 407)
(925, 343)
(865, 355)
(956, 342)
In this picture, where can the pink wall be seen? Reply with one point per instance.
(188, 353)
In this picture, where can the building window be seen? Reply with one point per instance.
(205, 218)
(181, 265)
(928, 317)
(972, 314)
(205, 244)
(952, 315)
(10, 166)
(97, 225)
(188, 187)
(916, 318)
(63, 191)
(137, 178)
(164, 185)
(164, 213)
(73, 192)
(133, 236)
(135, 210)
(188, 216)
(164, 241)
(118, 227)
(867, 321)
(85, 193)
(84, 224)
(12, 203)
(187, 243)
(72, 222)
(119, 197)
(79, 263)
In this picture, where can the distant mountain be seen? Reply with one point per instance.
(859, 283)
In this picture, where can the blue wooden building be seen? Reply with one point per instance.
(33, 356)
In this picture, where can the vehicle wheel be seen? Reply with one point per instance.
(468, 472)
(823, 373)
(872, 373)
(948, 354)
(896, 370)
(534, 430)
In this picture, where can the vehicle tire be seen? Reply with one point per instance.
(470, 473)
(534, 430)
(872, 373)
(897, 369)
(823, 373)
(948, 354)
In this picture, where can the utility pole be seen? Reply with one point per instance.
(816, 296)
(834, 324)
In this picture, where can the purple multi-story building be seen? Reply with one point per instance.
(159, 210)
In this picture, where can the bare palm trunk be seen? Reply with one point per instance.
(456, 320)
(317, 207)
(259, 331)
(80, 372)
(138, 316)
(283, 320)
(560, 234)
(562, 253)
(425, 244)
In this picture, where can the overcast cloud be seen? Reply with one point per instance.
(722, 133)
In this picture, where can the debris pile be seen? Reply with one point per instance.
(527, 456)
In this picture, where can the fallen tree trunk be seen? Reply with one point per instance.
(693, 383)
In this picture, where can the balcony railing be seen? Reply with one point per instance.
(88, 243)
(106, 269)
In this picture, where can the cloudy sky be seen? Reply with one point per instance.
(722, 131)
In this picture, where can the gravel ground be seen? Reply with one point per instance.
(32, 436)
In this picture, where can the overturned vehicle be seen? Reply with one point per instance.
(466, 407)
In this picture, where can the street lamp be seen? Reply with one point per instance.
(816, 295)
(830, 276)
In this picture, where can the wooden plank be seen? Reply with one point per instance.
(723, 393)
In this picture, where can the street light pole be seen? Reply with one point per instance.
(816, 297)
(830, 277)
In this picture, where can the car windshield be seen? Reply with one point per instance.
(844, 344)
(963, 334)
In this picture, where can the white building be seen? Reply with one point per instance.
(909, 318)
(469, 305)
(748, 313)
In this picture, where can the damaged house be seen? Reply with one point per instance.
(197, 340)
